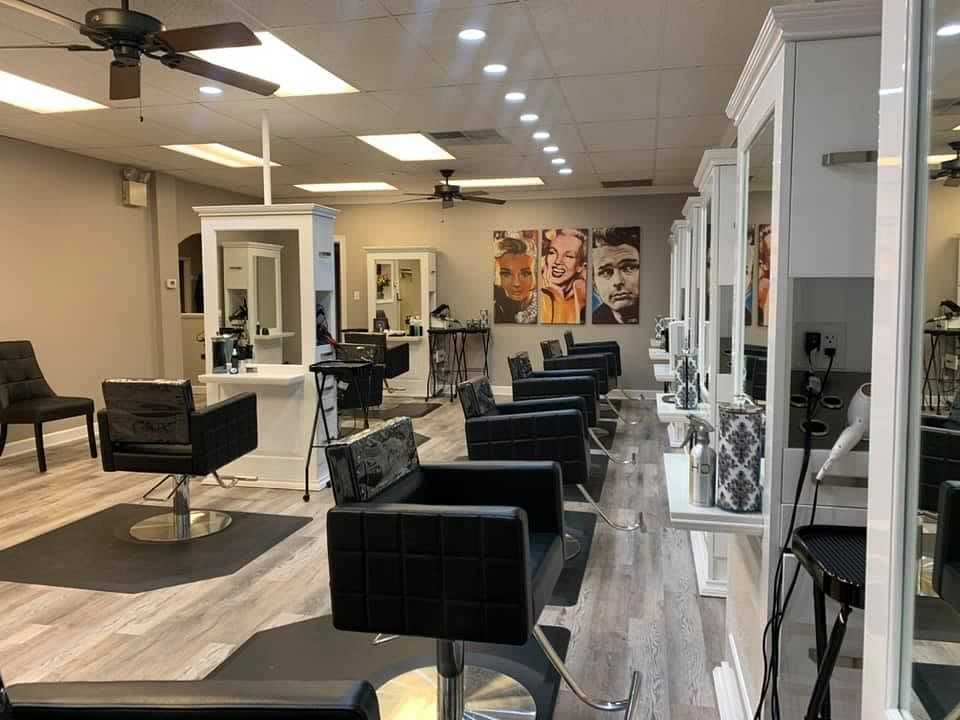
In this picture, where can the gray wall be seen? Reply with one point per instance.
(943, 233)
(464, 242)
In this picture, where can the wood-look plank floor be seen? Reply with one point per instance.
(639, 608)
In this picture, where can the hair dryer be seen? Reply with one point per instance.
(858, 417)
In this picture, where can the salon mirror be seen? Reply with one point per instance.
(706, 326)
(756, 239)
(398, 284)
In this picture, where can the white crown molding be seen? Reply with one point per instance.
(268, 210)
(678, 226)
(794, 23)
(671, 239)
(693, 203)
(711, 159)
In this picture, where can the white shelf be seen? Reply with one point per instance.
(661, 373)
(659, 355)
(271, 337)
(685, 516)
(668, 412)
(265, 375)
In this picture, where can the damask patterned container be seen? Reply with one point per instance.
(741, 438)
(687, 384)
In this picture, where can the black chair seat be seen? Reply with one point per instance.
(152, 448)
(836, 558)
(45, 409)
(546, 564)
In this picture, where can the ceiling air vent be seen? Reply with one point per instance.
(469, 137)
(614, 184)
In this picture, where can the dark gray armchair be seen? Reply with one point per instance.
(151, 426)
(395, 359)
(457, 552)
(946, 564)
(597, 346)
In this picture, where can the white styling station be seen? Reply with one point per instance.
(286, 393)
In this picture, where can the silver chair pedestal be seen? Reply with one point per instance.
(183, 523)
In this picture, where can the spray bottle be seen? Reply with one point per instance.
(703, 463)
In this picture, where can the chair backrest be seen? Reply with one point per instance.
(946, 568)
(149, 411)
(520, 366)
(476, 398)
(551, 349)
(366, 464)
(356, 351)
(568, 338)
(377, 340)
(20, 375)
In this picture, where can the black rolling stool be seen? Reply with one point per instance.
(352, 372)
(836, 558)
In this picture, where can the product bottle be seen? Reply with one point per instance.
(703, 464)
(235, 362)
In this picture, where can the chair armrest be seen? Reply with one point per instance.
(106, 444)
(946, 564)
(535, 487)
(598, 363)
(543, 405)
(223, 432)
(607, 346)
(451, 572)
(183, 700)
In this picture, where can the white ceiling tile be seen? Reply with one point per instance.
(611, 97)
(679, 158)
(619, 135)
(511, 40)
(704, 32)
(42, 29)
(285, 152)
(566, 137)
(584, 37)
(187, 13)
(196, 124)
(705, 130)
(628, 164)
(400, 7)
(697, 91)
(673, 178)
(293, 13)
(375, 54)
(286, 120)
(357, 113)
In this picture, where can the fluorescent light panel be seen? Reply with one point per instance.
(40, 98)
(408, 147)
(345, 187)
(274, 60)
(498, 182)
(220, 154)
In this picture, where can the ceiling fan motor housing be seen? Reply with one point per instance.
(123, 31)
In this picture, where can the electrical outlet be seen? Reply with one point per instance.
(356, 294)
(830, 335)
(831, 341)
(811, 341)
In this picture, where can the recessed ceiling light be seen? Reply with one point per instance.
(559, 161)
(495, 69)
(515, 96)
(565, 171)
(550, 149)
(345, 187)
(407, 147)
(39, 98)
(499, 182)
(210, 90)
(529, 118)
(949, 30)
(274, 60)
(220, 154)
(541, 135)
(472, 34)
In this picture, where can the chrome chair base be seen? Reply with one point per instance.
(172, 527)
(487, 695)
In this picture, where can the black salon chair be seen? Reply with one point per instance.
(459, 552)
(946, 564)
(27, 399)
(189, 700)
(372, 385)
(601, 346)
(395, 359)
(549, 429)
(151, 426)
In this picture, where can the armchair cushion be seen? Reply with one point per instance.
(520, 366)
(207, 700)
(368, 463)
(476, 398)
(543, 405)
(149, 411)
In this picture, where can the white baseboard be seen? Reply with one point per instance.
(725, 684)
(50, 439)
(707, 585)
(741, 693)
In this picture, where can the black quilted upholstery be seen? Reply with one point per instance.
(476, 398)
(520, 366)
(598, 346)
(366, 464)
(946, 569)
(560, 384)
(25, 395)
(592, 363)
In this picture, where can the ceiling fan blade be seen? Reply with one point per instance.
(124, 81)
(475, 192)
(207, 37)
(489, 201)
(71, 48)
(423, 195)
(413, 200)
(40, 12)
(196, 66)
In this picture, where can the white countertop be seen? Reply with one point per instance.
(661, 372)
(265, 375)
(404, 338)
(272, 336)
(667, 412)
(683, 515)
(659, 355)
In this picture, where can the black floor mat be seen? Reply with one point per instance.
(410, 410)
(938, 687)
(598, 478)
(97, 552)
(315, 650)
(582, 525)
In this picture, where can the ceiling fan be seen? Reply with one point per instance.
(447, 193)
(131, 35)
(949, 169)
